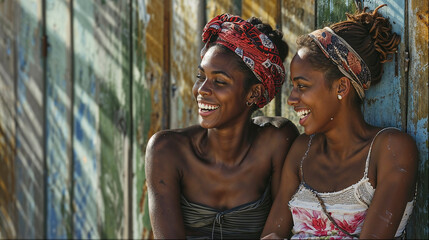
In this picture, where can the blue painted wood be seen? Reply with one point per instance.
(385, 102)
(58, 120)
(29, 168)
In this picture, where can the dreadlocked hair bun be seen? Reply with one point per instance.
(274, 35)
(371, 36)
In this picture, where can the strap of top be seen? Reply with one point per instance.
(367, 159)
(301, 173)
(370, 148)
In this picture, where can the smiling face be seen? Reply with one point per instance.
(313, 100)
(219, 89)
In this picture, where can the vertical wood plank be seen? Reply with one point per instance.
(185, 57)
(298, 18)
(87, 203)
(113, 75)
(148, 76)
(106, 60)
(331, 11)
(266, 10)
(29, 116)
(216, 7)
(7, 120)
(389, 95)
(58, 119)
(417, 117)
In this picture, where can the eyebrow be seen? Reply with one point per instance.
(299, 78)
(215, 72)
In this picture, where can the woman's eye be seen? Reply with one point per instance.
(199, 77)
(219, 82)
(300, 86)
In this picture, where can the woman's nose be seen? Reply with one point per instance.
(293, 97)
(204, 88)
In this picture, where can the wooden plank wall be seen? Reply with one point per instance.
(7, 119)
(417, 107)
(30, 87)
(75, 117)
(58, 119)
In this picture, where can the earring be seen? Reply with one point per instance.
(249, 104)
(339, 97)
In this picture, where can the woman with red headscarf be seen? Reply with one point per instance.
(217, 179)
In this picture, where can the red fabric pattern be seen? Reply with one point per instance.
(253, 47)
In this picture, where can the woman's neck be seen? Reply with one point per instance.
(229, 146)
(350, 132)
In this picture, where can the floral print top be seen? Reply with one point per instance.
(348, 207)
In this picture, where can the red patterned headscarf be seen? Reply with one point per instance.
(344, 57)
(255, 49)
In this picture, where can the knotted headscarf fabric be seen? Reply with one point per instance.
(255, 49)
(344, 57)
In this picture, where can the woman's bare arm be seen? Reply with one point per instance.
(280, 220)
(396, 156)
(163, 182)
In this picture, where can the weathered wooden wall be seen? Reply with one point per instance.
(76, 115)
(58, 133)
(7, 120)
(417, 13)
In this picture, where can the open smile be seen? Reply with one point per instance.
(206, 109)
(303, 115)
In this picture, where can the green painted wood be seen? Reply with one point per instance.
(7, 120)
(102, 71)
(87, 204)
(331, 11)
(112, 29)
(146, 79)
(417, 112)
(58, 120)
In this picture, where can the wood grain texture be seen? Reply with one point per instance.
(58, 119)
(216, 7)
(389, 96)
(417, 113)
(7, 119)
(185, 57)
(29, 162)
(148, 100)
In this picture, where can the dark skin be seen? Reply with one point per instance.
(339, 149)
(224, 162)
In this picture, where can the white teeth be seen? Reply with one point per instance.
(303, 113)
(207, 107)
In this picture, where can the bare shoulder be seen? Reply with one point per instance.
(277, 127)
(278, 122)
(298, 149)
(392, 142)
(168, 144)
(395, 150)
